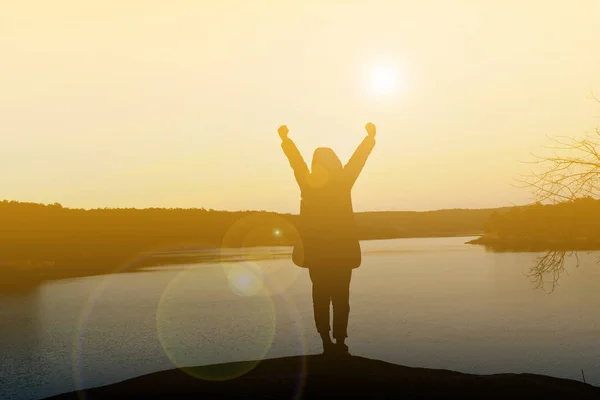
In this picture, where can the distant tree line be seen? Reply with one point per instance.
(51, 239)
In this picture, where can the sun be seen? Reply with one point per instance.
(384, 80)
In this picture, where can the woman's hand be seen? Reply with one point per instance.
(283, 132)
(371, 130)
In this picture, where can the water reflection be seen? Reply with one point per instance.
(19, 309)
(434, 303)
(548, 267)
(20, 334)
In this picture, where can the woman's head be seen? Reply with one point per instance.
(326, 157)
(326, 166)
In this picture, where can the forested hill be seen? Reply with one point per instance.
(34, 236)
(209, 227)
(571, 225)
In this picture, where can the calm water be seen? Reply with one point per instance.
(434, 303)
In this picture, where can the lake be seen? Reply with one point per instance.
(435, 303)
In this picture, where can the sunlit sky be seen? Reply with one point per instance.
(151, 103)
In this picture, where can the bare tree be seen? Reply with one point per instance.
(572, 172)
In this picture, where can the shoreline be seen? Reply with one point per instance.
(528, 244)
(313, 376)
(33, 275)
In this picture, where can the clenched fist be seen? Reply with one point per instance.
(371, 129)
(283, 132)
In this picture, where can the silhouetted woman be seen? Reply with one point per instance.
(329, 245)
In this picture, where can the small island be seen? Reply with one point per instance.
(567, 226)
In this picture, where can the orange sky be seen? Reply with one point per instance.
(176, 103)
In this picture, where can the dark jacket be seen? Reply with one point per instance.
(327, 228)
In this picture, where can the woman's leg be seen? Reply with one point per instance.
(340, 296)
(321, 300)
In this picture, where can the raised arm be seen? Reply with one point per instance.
(297, 163)
(358, 160)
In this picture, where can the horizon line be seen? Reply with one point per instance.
(57, 204)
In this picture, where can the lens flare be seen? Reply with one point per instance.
(262, 243)
(245, 279)
(211, 314)
(129, 265)
(201, 334)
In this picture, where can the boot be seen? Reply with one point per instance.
(341, 349)
(328, 346)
